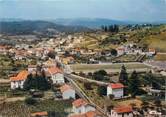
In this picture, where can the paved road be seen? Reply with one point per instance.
(81, 93)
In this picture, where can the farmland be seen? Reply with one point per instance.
(20, 109)
(160, 57)
(108, 67)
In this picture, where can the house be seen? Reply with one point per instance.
(122, 111)
(80, 106)
(87, 114)
(120, 51)
(32, 68)
(68, 60)
(115, 89)
(18, 81)
(151, 52)
(56, 75)
(67, 92)
(39, 114)
(154, 113)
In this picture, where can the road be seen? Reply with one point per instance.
(81, 93)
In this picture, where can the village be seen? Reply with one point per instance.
(90, 82)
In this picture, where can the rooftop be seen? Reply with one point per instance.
(123, 109)
(54, 70)
(65, 88)
(44, 113)
(79, 102)
(116, 85)
(21, 76)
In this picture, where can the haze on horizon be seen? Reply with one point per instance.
(131, 10)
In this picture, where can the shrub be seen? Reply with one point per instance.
(30, 101)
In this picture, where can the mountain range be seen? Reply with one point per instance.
(30, 27)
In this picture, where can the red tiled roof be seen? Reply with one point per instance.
(44, 113)
(3, 47)
(54, 70)
(116, 85)
(79, 102)
(152, 50)
(90, 114)
(21, 76)
(65, 88)
(123, 109)
(120, 48)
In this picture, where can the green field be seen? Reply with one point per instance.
(94, 67)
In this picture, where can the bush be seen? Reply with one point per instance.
(102, 90)
(88, 86)
(36, 82)
(30, 101)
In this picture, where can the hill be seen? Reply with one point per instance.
(153, 36)
(98, 22)
(91, 23)
(30, 27)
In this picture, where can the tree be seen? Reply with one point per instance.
(30, 101)
(101, 72)
(90, 74)
(99, 75)
(134, 84)
(102, 90)
(114, 52)
(123, 78)
(36, 82)
(88, 86)
(51, 54)
(157, 102)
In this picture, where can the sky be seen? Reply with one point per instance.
(131, 10)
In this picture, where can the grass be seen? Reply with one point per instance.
(90, 67)
(126, 57)
(7, 65)
(137, 102)
(155, 37)
(160, 57)
(92, 94)
(103, 100)
(51, 105)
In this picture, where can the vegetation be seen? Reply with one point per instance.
(29, 27)
(20, 109)
(134, 84)
(154, 80)
(102, 90)
(160, 57)
(123, 77)
(36, 82)
(111, 28)
(95, 67)
(99, 75)
(30, 101)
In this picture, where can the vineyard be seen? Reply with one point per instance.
(14, 109)
(20, 109)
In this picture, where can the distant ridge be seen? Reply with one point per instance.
(29, 27)
(98, 22)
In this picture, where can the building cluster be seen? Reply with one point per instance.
(134, 49)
